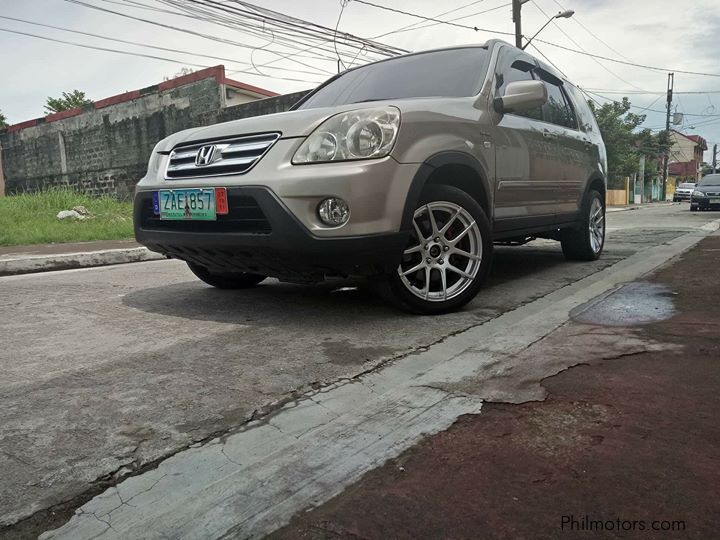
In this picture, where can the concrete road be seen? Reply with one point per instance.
(109, 370)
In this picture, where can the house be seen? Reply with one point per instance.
(103, 147)
(686, 157)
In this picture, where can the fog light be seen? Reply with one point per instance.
(334, 211)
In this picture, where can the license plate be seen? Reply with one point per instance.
(190, 204)
(714, 201)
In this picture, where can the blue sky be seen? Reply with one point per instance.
(663, 33)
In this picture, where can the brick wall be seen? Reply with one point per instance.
(104, 148)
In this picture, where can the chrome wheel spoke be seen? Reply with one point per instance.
(433, 224)
(427, 282)
(414, 269)
(443, 278)
(463, 233)
(414, 249)
(450, 222)
(463, 253)
(418, 232)
(455, 269)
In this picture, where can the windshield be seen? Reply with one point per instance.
(446, 73)
(710, 180)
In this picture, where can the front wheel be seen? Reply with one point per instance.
(448, 254)
(586, 242)
(225, 280)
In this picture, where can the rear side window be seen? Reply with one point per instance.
(585, 117)
(558, 109)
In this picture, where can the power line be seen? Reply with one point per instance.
(500, 32)
(410, 26)
(178, 29)
(450, 23)
(618, 77)
(653, 110)
(128, 42)
(421, 26)
(128, 53)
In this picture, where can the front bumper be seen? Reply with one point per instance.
(704, 203)
(678, 197)
(375, 189)
(261, 236)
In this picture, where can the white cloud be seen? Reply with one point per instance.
(655, 32)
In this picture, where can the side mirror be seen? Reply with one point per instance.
(521, 96)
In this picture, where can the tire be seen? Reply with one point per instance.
(586, 242)
(455, 255)
(230, 280)
(693, 208)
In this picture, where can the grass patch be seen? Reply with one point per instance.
(31, 218)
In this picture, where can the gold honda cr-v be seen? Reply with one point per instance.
(406, 170)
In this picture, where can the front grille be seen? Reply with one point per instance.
(714, 194)
(227, 156)
(244, 216)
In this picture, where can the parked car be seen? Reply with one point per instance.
(706, 195)
(683, 192)
(406, 170)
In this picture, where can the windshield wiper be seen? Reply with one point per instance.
(373, 99)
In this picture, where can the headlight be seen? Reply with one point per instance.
(698, 194)
(360, 134)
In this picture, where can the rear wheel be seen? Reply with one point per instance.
(225, 280)
(585, 243)
(448, 254)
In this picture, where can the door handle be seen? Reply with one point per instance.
(549, 135)
(587, 142)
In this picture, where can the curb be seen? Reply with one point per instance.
(31, 264)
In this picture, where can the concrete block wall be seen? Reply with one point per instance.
(103, 149)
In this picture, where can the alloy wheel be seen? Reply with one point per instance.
(444, 253)
(596, 225)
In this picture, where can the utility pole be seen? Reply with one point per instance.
(516, 19)
(671, 81)
(714, 159)
(641, 175)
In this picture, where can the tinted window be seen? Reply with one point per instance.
(585, 117)
(557, 110)
(710, 180)
(448, 73)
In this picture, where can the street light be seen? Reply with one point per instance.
(562, 15)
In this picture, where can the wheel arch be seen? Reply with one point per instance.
(451, 168)
(598, 183)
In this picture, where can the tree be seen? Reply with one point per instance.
(185, 70)
(624, 144)
(68, 101)
(3, 121)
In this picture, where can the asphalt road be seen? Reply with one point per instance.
(110, 369)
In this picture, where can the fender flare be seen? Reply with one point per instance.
(428, 167)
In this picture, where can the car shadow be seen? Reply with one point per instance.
(272, 301)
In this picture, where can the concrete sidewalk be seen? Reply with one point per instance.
(623, 446)
(50, 257)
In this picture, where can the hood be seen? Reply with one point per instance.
(290, 124)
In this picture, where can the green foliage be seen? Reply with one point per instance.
(30, 218)
(67, 101)
(623, 142)
(3, 121)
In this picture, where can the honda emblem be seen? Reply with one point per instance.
(205, 155)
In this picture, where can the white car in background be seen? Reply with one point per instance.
(683, 192)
